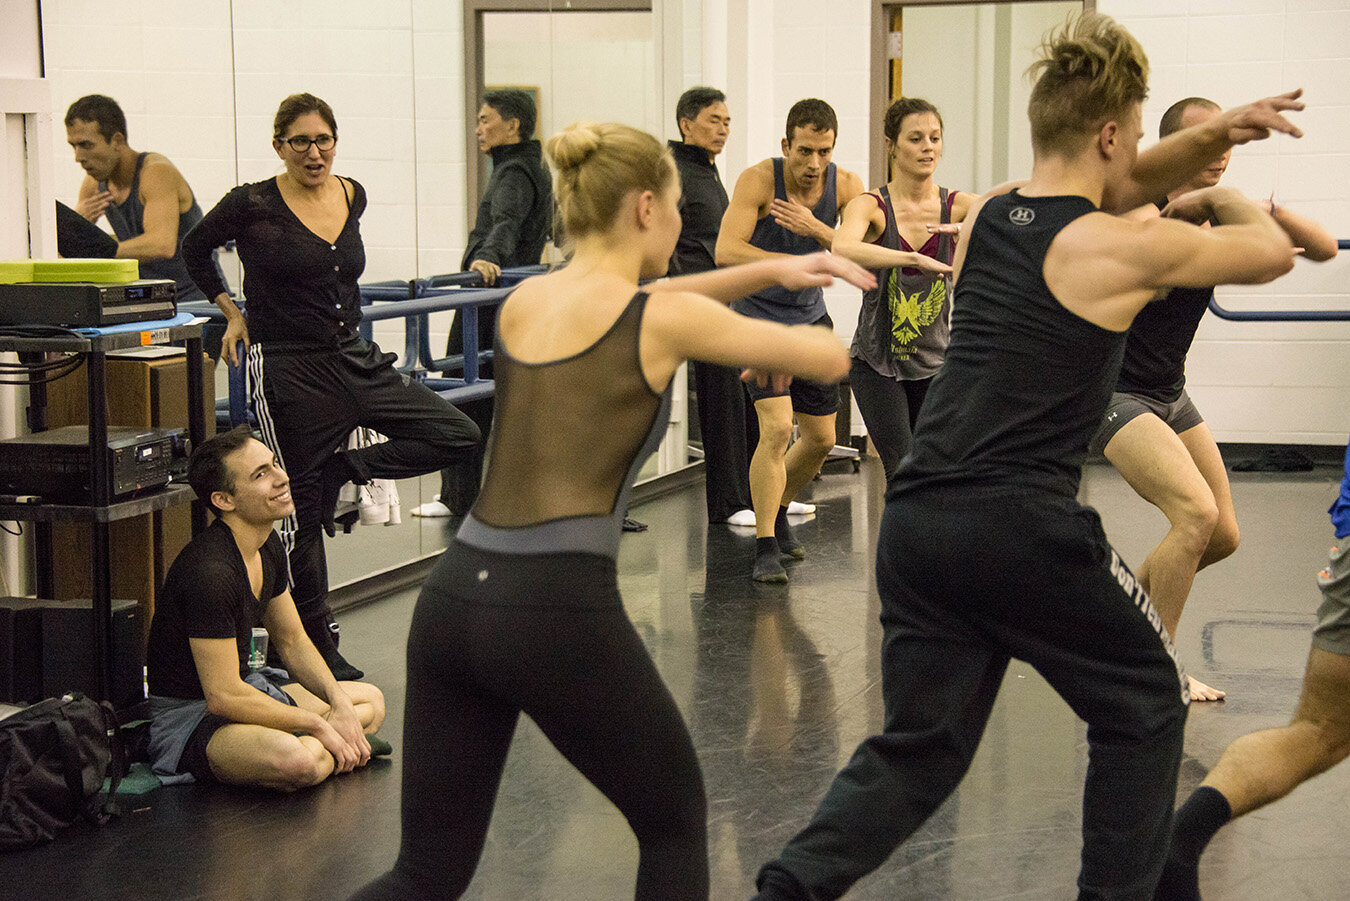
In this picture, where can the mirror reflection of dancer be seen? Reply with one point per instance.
(1263, 767)
(522, 613)
(903, 231)
(784, 206)
(1047, 285)
(1152, 432)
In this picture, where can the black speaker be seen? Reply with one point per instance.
(21, 650)
(69, 660)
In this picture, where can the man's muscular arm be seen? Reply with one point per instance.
(1174, 160)
(749, 202)
(159, 196)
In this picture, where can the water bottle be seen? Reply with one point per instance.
(257, 650)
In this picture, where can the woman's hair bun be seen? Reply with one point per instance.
(574, 145)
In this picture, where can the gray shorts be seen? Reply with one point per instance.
(1180, 414)
(811, 398)
(180, 729)
(1333, 617)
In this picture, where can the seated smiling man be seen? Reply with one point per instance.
(214, 715)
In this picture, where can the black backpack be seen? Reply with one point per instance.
(54, 756)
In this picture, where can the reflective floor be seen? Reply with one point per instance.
(778, 684)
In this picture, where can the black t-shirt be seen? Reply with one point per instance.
(300, 290)
(1025, 382)
(206, 595)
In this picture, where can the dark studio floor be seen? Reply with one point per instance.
(778, 684)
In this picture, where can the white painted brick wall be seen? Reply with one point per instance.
(394, 76)
(1268, 382)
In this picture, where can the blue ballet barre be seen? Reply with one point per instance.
(417, 355)
(1282, 315)
(415, 311)
(437, 285)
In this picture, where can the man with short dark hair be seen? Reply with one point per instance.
(514, 215)
(218, 711)
(788, 205)
(147, 201)
(704, 122)
(514, 219)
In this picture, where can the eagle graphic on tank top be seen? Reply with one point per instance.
(912, 313)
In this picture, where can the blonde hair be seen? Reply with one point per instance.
(598, 165)
(1088, 73)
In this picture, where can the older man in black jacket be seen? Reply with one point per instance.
(514, 219)
(704, 124)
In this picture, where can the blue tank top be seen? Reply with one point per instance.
(128, 221)
(777, 303)
(1340, 510)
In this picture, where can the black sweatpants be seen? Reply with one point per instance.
(307, 403)
(889, 408)
(722, 427)
(968, 580)
(496, 635)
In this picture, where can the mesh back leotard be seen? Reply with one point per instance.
(568, 440)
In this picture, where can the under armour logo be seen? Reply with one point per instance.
(1021, 215)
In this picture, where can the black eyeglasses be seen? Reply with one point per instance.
(300, 143)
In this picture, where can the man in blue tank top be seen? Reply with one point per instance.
(788, 205)
(146, 199)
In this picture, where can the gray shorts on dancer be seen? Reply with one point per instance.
(1181, 414)
(1333, 617)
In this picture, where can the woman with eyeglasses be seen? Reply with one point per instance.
(312, 378)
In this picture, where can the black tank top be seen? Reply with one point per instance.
(568, 439)
(1160, 339)
(1025, 382)
(128, 221)
(779, 304)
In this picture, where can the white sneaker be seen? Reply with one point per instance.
(742, 518)
(432, 510)
(796, 509)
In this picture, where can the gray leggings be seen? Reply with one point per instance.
(889, 409)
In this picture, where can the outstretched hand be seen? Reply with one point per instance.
(1255, 121)
(944, 228)
(924, 263)
(777, 382)
(820, 270)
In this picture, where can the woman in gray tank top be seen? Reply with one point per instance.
(522, 613)
(904, 232)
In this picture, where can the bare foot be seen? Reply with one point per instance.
(1202, 692)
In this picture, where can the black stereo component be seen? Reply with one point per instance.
(46, 650)
(21, 650)
(69, 660)
(54, 465)
(86, 304)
